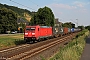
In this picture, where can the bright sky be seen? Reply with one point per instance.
(65, 10)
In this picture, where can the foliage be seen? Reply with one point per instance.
(81, 27)
(23, 27)
(8, 20)
(42, 58)
(19, 11)
(81, 33)
(68, 24)
(88, 27)
(44, 16)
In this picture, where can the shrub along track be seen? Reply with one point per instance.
(25, 52)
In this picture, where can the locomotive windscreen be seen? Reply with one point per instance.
(30, 28)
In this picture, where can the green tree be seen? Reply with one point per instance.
(81, 27)
(8, 20)
(68, 24)
(22, 27)
(20, 12)
(87, 27)
(1, 28)
(44, 16)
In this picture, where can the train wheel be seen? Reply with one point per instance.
(38, 40)
(33, 41)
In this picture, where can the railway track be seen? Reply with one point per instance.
(26, 51)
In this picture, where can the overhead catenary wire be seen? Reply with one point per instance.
(21, 4)
(34, 3)
(75, 22)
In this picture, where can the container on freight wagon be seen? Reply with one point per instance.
(72, 29)
(65, 30)
(69, 30)
(57, 31)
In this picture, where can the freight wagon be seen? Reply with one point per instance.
(57, 31)
(65, 30)
(72, 29)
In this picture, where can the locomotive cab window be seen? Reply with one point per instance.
(30, 29)
(27, 28)
(38, 29)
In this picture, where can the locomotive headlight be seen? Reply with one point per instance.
(26, 33)
(33, 33)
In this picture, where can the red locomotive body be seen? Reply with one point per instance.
(33, 33)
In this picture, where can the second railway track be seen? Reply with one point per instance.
(24, 52)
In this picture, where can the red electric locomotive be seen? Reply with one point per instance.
(33, 33)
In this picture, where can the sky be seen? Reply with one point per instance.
(75, 11)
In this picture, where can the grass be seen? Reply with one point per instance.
(11, 40)
(74, 49)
